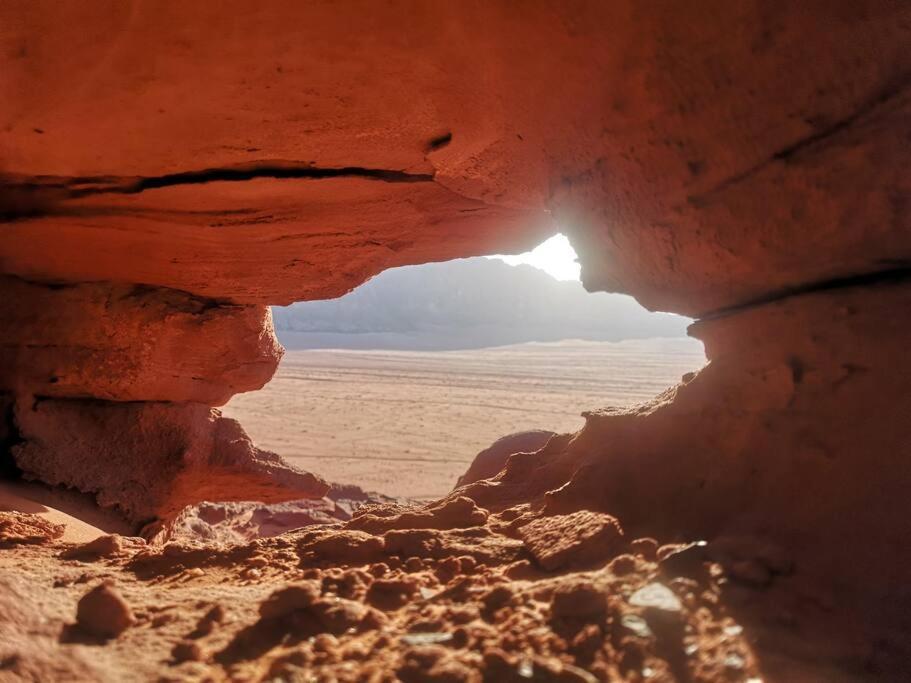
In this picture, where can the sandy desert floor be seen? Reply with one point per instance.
(409, 423)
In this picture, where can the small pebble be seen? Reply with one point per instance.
(734, 661)
(103, 612)
(636, 624)
(526, 669)
(289, 599)
(426, 638)
(658, 596)
(186, 651)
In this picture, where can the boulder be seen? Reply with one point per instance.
(492, 459)
(151, 460)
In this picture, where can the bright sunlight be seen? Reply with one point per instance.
(554, 256)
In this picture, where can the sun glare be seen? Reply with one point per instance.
(554, 256)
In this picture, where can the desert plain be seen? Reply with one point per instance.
(409, 423)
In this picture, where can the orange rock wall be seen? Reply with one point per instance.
(251, 148)
(131, 343)
(169, 168)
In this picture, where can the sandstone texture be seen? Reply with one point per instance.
(236, 522)
(142, 344)
(794, 436)
(18, 528)
(103, 612)
(490, 461)
(170, 169)
(150, 460)
(282, 149)
(347, 605)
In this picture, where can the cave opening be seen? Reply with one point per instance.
(399, 384)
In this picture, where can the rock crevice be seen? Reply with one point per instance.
(20, 197)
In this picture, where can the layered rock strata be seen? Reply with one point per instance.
(131, 343)
(170, 169)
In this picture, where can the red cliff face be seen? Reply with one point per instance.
(168, 170)
(131, 343)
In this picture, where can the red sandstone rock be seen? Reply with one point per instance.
(771, 443)
(150, 460)
(287, 600)
(103, 612)
(268, 241)
(577, 539)
(19, 527)
(683, 149)
(131, 343)
(235, 522)
(701, 157)
(109, 545)
(456, 512)
(491, 460)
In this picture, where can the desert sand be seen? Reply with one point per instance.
(76, 513)
(408, 424)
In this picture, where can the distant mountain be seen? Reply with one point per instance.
(468, 303)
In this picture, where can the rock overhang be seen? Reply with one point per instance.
(745, 163)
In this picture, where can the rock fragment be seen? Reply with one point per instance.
(428, 638)
(459, 512)
(578, 539)
(391, 593)
(109, 545)
(578, 600)
(657, 596)
(290, 599)
(186, 651)
(103, 612)
(689, 561)
(21, 528)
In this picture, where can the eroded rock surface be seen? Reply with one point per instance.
(131, 343)
(150, 460)
(774, 440)
(290, 606)
(685, 149)
(237, 522)
(170, 169)
(17, 528)
(491, 460)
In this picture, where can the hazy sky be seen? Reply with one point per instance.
(555, 256)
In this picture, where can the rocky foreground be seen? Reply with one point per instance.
(441, 593)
